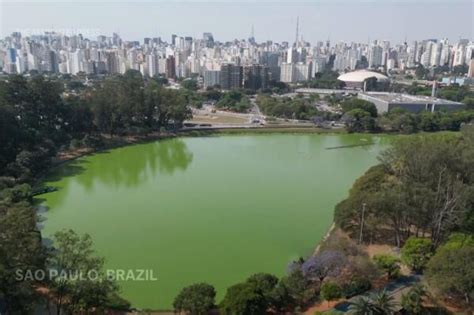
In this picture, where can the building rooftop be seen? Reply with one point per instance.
(361, 76)
(398, 98)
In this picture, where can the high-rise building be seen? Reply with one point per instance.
(255, 77)
(375, 56)
(152, 65)
(302, 71)
(208, 39)
(470, 73)
(170, 67)
(287, 72)
(319, 64)
(212, 78)
(231, 76)
(112, 62)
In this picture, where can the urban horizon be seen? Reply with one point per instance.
(93, 34)
(319, 20)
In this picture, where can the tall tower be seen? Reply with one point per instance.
(297, 30)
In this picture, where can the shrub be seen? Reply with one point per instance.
(416, 252)
(357, 285)
(389, 264)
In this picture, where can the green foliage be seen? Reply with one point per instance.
(212, 94)
(20, 250)
(330, 291)
(355, 103)
(412, 301)
(190, 84)
(298, 288)
(244, 298)
(73, 255)
(234, 100)
(258, 293)
(325, 80)
(380, 303)
(362, 306)
(423, 187)
(196, 299)
(389, 264)
(459, 240)
(421, 72)
(285, 107)
(383, 302)
(357, 285)
(416, 252)
(451, 269)
(358, 120)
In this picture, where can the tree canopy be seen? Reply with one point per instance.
(196, 299)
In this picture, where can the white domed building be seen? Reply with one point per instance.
(357, 79)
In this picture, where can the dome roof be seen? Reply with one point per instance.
(361, 76)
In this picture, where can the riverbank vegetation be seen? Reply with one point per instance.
(419, 198)
(39, 119)
(361, 116)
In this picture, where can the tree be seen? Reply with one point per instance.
(451, 270)
(265, 283)
(298, 287)
(460, 69)
(421, 72)
(21, 254)
(435, 188)
(73, 257)
(423, 187)
(324, 264)
(358, 120)
(330, 291)
(190, 84)
(243, 299)
(362, 306)
(412, 301)
(196, 299)
(416, 252)
(383, 302)
(389, 264)
(355, 103)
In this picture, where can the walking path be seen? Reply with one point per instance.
(395, 289)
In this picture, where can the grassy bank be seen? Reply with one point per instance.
(261, 130)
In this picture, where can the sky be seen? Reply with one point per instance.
(337, 20)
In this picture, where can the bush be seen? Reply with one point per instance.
(356, 286)
(389, 264)
(330, 291)
(195, 299)
(92, 141)
(416, 252)
(75, 144)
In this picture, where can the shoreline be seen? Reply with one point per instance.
(115, 142)
(123, 141)
(328, 234)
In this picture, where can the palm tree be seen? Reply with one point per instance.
(362, 306)
(384, 303)
(412, 301)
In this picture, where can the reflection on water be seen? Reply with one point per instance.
(131, 166)
(262, 200)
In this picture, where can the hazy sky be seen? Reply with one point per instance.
(348, 20)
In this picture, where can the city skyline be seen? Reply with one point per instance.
(360, 21)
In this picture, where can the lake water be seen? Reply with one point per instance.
(211, 209)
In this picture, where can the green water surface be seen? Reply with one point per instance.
(212, 209)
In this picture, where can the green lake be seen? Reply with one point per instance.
(210, 209)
